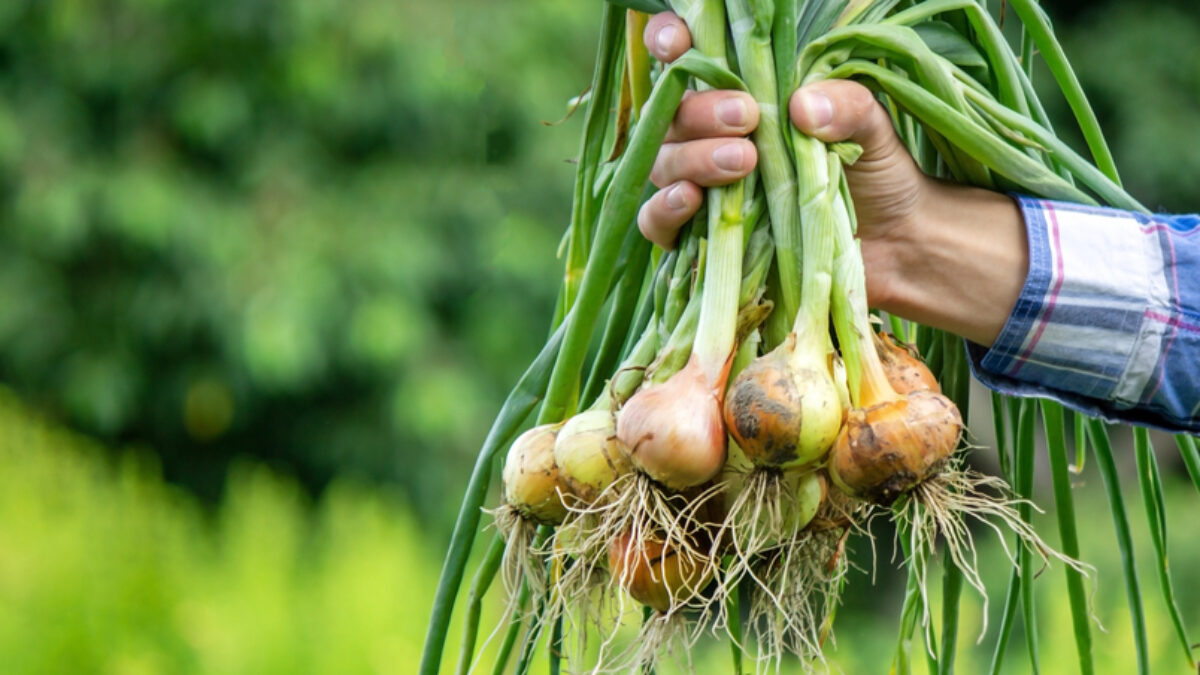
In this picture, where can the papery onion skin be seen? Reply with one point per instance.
(589, 455)
(886, 449)
(659, 577)
(905, 371)
(782, 414)
(674, 431)
(531, 478)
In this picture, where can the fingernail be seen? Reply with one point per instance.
(729, 156)
(676, 199)
(819, 109)
(732, 112)
(664, 39)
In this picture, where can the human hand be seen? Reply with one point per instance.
(885, 182)
(949, 256)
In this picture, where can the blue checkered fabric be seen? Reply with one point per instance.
(1108, 322)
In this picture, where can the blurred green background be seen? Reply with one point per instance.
(267, 269)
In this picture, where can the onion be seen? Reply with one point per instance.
(658, 575)
(906, 372)
(589, 455)
(531, 478)
(784, 410)
(888, 448)
(674, 430)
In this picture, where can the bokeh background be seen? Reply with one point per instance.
(267, 269)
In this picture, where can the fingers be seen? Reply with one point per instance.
(667, 37)
(663, 214)
(708, 161)
(711, 114)
(703, 145)
(838, 110)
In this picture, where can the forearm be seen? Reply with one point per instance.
(1096, 308)
(958, 265)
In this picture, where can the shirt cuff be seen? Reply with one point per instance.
(1083, 333)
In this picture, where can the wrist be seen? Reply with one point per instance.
(958, 263)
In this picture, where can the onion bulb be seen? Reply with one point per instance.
(905, 371)
(589, 455)
(674, 430)
(889, 447)
(531, 478)
(784, 410)
(658, 575)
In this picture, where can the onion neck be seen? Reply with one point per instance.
(716, 334)
(756, 60)
(865, 375)
(630, 373)
(818, 202)
(717, 331)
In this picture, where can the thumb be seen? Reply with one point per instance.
(838, 110)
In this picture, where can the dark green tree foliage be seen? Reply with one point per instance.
(315, 232)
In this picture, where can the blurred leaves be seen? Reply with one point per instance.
(312, 232)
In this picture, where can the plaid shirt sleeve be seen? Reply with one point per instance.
(1108, 322)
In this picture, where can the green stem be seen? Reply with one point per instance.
(1191, 457)
(716, 334)
(616, 216)
(1064, 509)
(1112, 485)
(632, 276)
(819, 201)
(734, 612)
(1023, 441)
(851, 320)
(514, 630)
(751, 27)
(952, 585)
(583, 210)
(485, 574)
(1024, 489)
(718, 312)
(519, 404)
(1034, 18)
(960, 130)
(1156, 515)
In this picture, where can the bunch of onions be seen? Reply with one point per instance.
(819, 439)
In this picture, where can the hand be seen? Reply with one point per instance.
(705, 145)
(949, 256)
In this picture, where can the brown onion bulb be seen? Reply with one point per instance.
(658, 576)
(905, 371)
(674, 430)
(531, 478)
(589, 455)
(888, 448)
(784, 412)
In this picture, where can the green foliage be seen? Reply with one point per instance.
(317, 233)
